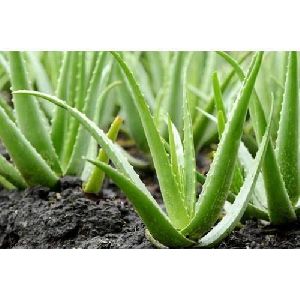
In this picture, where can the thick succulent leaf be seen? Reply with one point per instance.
(237, 180)
(175, 155)
(287, 146)
(216, 187)
(11, 174)
(195, 77)
(113, 151)
(218, 98)
(72, 84)
(229, 222)
(156, 69)
(133, 120)
(59, 122)
(8, 110)
(6, 184)
(170, 191)
(141, 75)
(80, 92)
(99, 76)
(137, 163)
(189, 170)
(30, 119)
(259, 197)
(201, 122)
(251, 210)
(4, 63)
(154, 218)
(279, 205)
(175, 91)
(42, 80)
(30, 164)
(95, 181)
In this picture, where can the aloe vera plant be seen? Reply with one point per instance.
(44, 143)
(188, 221)
(280, 168)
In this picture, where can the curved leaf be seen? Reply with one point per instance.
(155, 220)
(29, 115)
(30, 164)
(279, 206)
(170, 191)
(112, 150)
(216, 187)
(9, 172)
(287, 146)
(229, 222)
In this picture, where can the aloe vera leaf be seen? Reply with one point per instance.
(170, 191)
(218, 98)
(175, 92)
(189, 170)
(95, 181)
(175, 155)
(59, 122)
(4, 63)
(79, 96)
(194, 77)
(76, 164)
(210, 66)
(279, 205)
(155, 220)
(259, 197)
(106, 75)
(201, 122)
(6, 184)
(137, 163)
(8, 110)
(11, 174)
(52, 62)
(42, 80)
(237, 180)
(141, 76)
(250, 143)
(4, 81)
(92, 152)
(28, 161)
(113, 151)
(91, 60)
(133, 120)
(29, 118)
(216, 187)
(72, 86)
(251, 210)
(287, 146)
(229, 222)
(156, 69)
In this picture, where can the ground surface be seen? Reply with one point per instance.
(67, 218)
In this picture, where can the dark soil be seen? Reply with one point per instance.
(67, 218)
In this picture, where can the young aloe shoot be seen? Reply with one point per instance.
(95, 181)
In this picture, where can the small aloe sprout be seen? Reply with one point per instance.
(95, 181)
(189, 221)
